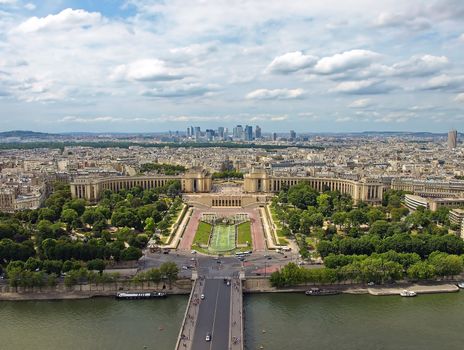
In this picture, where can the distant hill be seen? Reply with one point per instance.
(24, 134)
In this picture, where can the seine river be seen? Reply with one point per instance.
(273, 321)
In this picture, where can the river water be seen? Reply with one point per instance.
(273, 322)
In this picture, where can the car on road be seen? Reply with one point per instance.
(193, 252)
(192, 259)
(202, 296)
(208, 336)
(184, 267)
(228, 283)
(268, 257)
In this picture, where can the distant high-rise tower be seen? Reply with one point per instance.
(452, 139)
(238, 132)
(292, 135)
(274, 136)
(248, 133)
(221, 132)
(258, 132)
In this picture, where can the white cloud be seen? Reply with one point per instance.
(363, 87)
(266, 117)
(421, 65)
(82, 120)
(459, 98)
(146, 70)
(276, 94)
(361, 103)
(8, 2)
(398, 20)
(345, 61)
(444, 82)
(65, 20)
(186, 53)
(30, 6)
(461, 38)
(169, 59)
(291, 62)
(181, 90)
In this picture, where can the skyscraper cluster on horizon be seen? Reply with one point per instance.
(237, 133)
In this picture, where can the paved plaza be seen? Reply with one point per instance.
(257, 233)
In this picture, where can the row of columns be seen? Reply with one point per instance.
(145, 184)
(318, 185)
(236, 202)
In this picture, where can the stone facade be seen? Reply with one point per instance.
(193, 181)
(365, 190)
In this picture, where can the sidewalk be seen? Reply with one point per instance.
(236, 316)
(187, 331)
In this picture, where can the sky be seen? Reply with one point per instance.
(307, 65)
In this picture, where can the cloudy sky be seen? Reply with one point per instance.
(308, 65)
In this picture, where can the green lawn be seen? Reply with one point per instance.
(202, 234)
(244, 233)
(279, 232)
(223, 238)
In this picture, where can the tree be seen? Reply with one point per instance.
(131, 253)
(302, 196)
(357, 217)
(33, 264)
(446, 265)
(69, 216)
(339, 218)
(124, 217)
(324, 204)
(47, 214)
(379, 228)
(53, 266)
(149, 225)
(421, 270)
(398, 213)
(76, 204)
(169, 270)
(96, 264)
(375, 214)
(91, 216)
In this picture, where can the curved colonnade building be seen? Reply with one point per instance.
(91, 189)
(366, 190)
(261, 183)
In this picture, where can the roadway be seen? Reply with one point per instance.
(213, 317)
(257, 263)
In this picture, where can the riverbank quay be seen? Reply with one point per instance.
(184, 287)
(263, 285)
(91, 290)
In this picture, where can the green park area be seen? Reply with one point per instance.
(244, 233)
(279, 228)
(202, 234)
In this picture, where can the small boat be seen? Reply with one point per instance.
(320, 292)
(461, 285)
(151, 295)
(408, 293)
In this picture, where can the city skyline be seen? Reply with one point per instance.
(142, 66)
